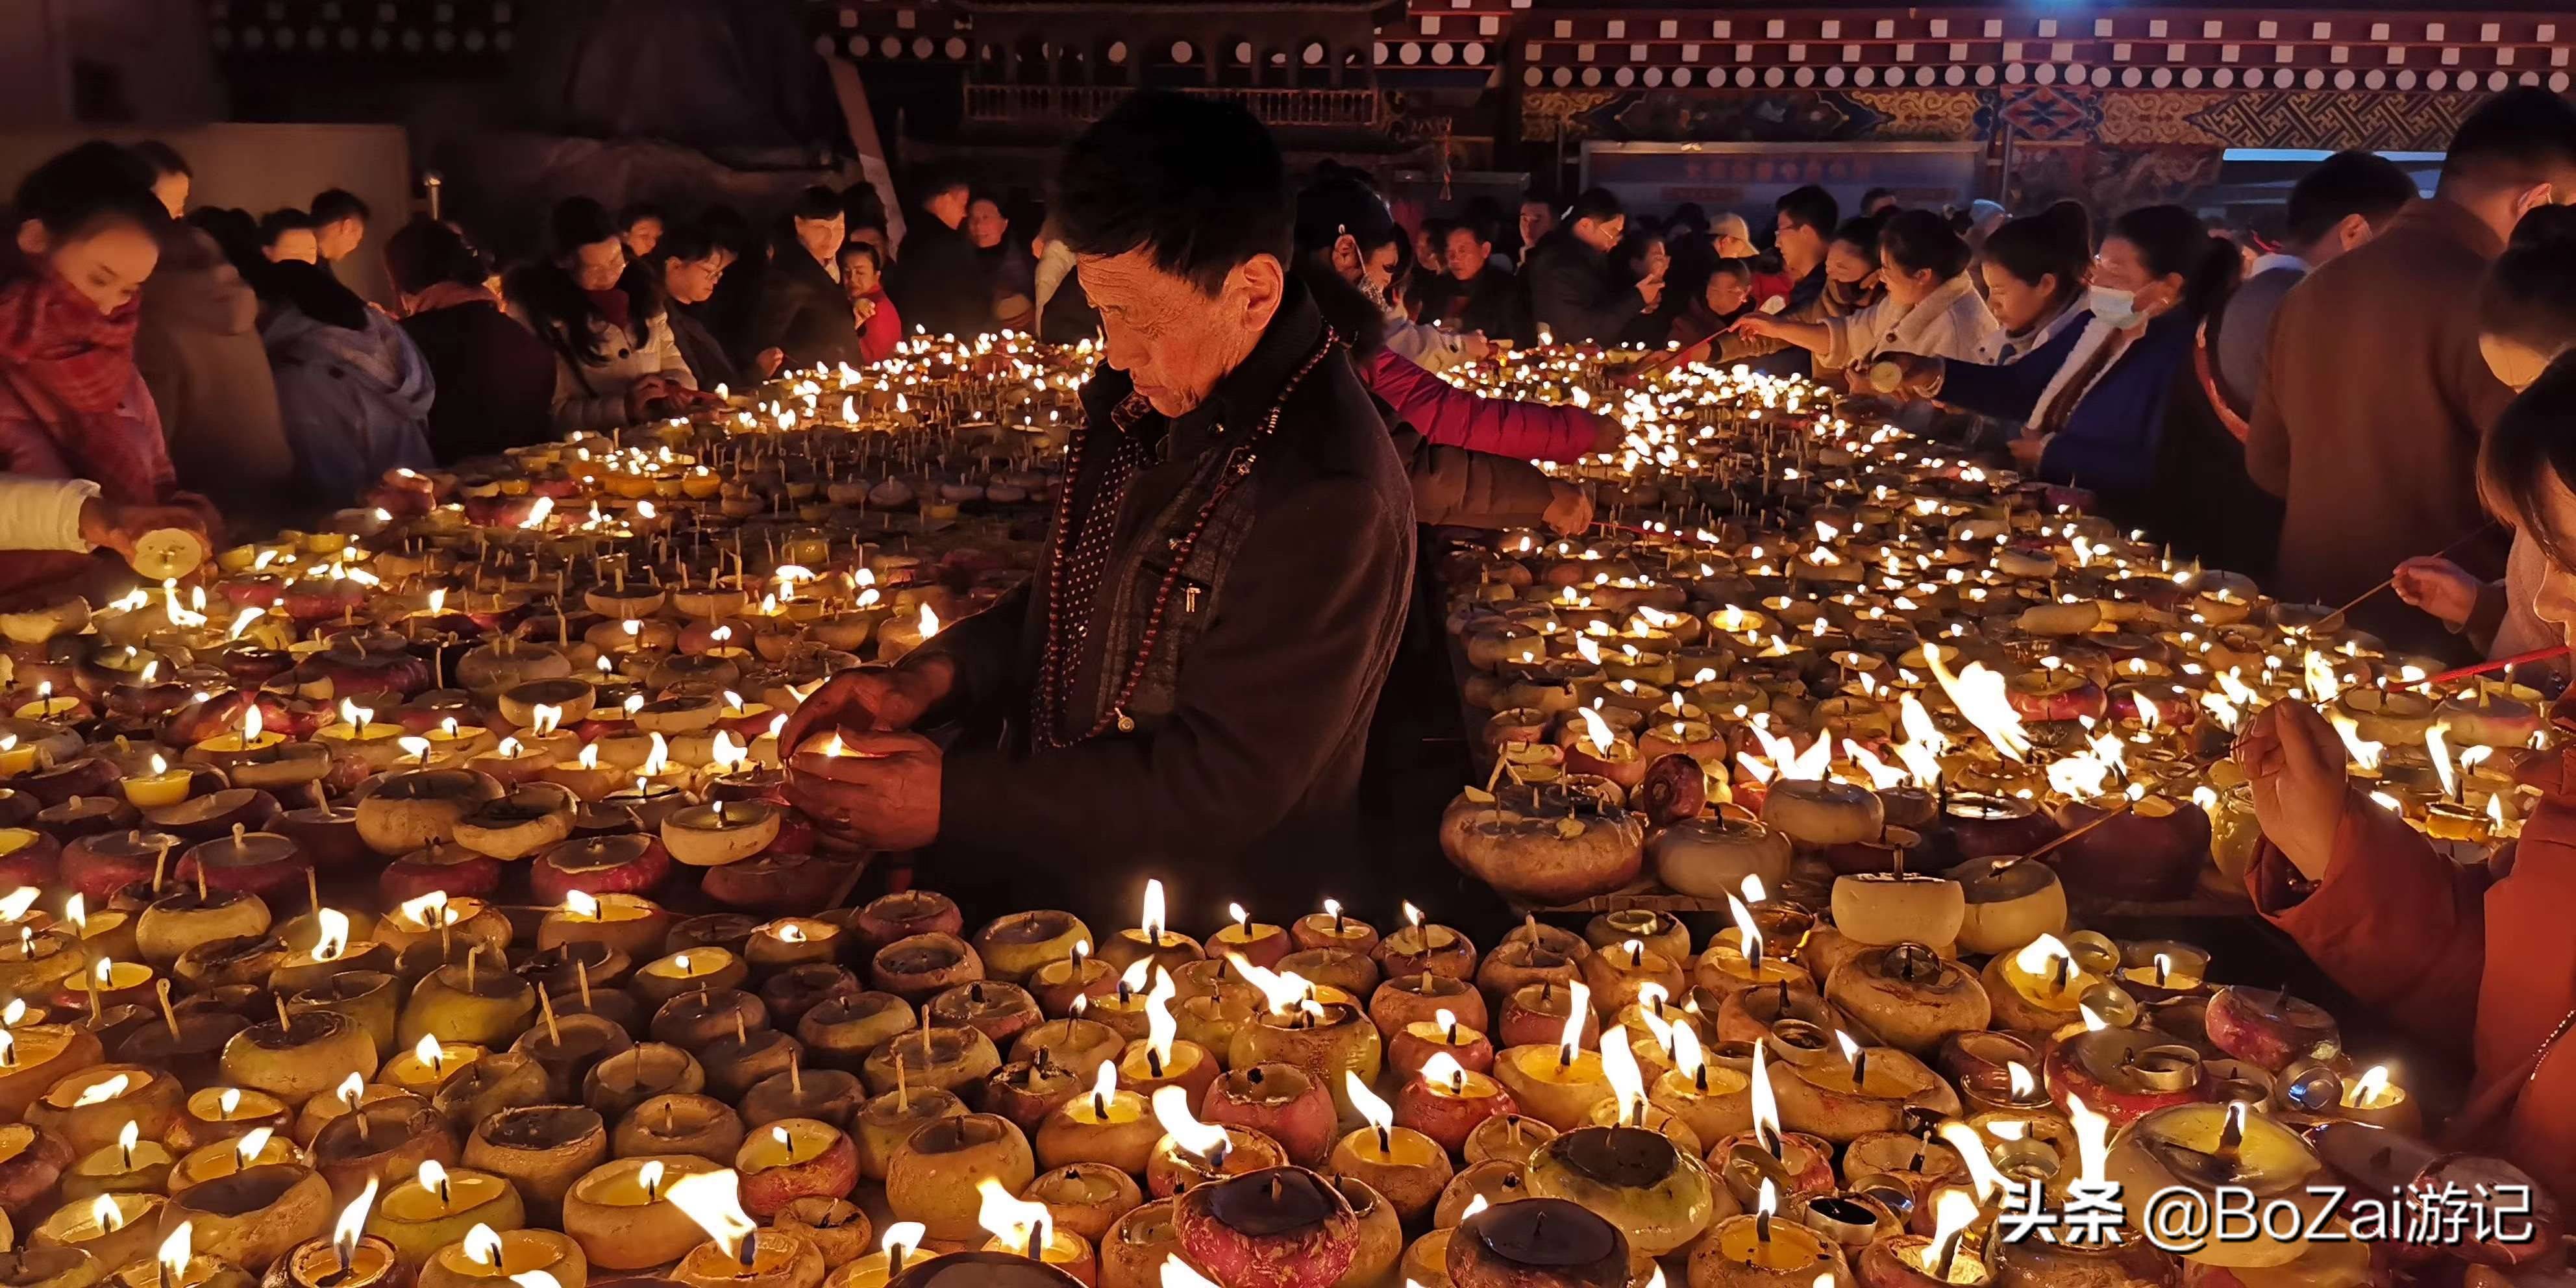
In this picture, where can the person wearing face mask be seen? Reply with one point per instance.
(2526, 326)
(2094, 400)
(2375, 395)
(2471, 958)
(1930, 307)
(82, 462)
(1844, 281)
(615, 361)
(1575, 296)
(1373, 263)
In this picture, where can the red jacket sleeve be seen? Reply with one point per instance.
(2399, 926)
(881, 332)
(1450, 416)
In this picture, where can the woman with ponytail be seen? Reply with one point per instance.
(2035, 268)
(2096, 401)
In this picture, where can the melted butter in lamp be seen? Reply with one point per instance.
(803, 1139)
(163, 786)
(426, 1067)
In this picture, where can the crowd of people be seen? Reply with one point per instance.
(161, 351)
(2319, 438)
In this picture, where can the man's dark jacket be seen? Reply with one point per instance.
(705, 355)
(938, 282)
(804, 312)
(1489, 302)
(1238, 781)
(1571, 293)
(496, 380)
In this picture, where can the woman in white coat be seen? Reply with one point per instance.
(615, 360)
(1931, 307)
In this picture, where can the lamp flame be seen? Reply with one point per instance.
(1177, 1274)
(1596, 730)
(104, 1212)
(1372, 1110)
(2092, 1138)
(332, 939)
(99, 1093)
(1172, 1111)
(1578, 1009)
(714, 1201)
(177, 1251)
(352, 1224)
(1160, 1026)
(1972, 1150)
(1766, 1107)
(1951, 1215)
(1979, 695)
(483, 1246)
(1627, 1083)
(1013, 1223)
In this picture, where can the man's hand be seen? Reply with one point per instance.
(881, 794)
(2439, 587)
(768, 361)
(1569, 507)
(118, 527)
(2300, 792)
(875, 699)
(2026, 451)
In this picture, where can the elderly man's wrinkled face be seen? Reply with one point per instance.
(1175, 342)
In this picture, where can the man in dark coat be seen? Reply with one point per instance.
(2376, 395)
(1184, 689)
(803, 311)
(1574, 293)
(1484, 297)
(938, 282)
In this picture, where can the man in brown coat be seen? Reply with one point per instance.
(2375, 396)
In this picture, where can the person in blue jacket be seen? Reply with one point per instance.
(2094, 401)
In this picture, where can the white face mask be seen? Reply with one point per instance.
(2117, 307)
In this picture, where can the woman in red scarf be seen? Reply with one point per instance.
(82, 461)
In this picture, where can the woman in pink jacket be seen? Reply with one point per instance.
(1454, 417)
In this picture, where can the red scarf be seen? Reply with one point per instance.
(614, 306)
(73, 366)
